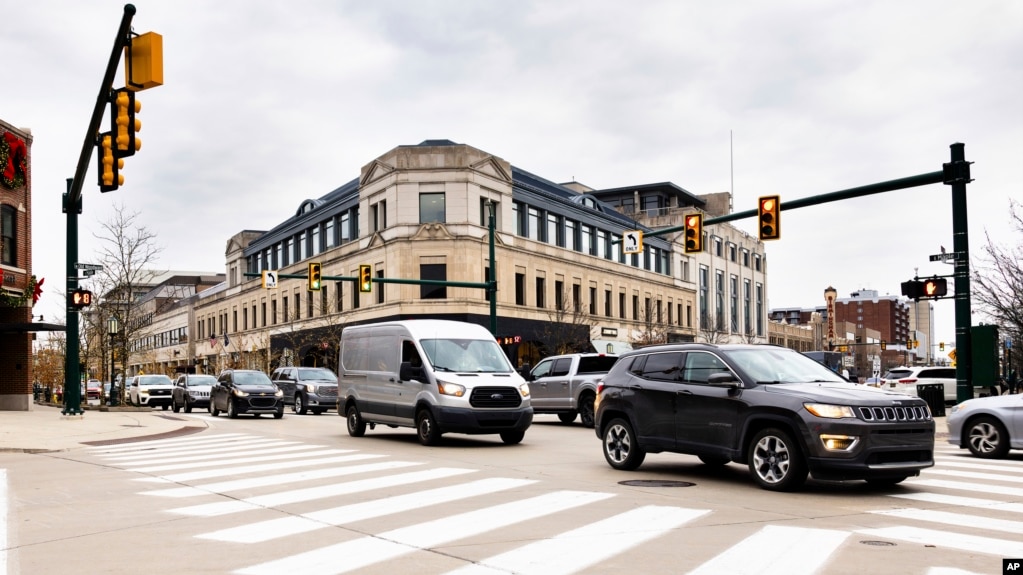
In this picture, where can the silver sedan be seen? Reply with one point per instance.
(987, 426)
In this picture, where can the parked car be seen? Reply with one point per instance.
(567, 384)
(988, 426)
(905, 380)
(192, 390)
(151, 390)
(307, 389)
(779, 412)
(93, 389)
(240, 391)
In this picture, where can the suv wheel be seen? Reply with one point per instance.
(512, 437)
(299, 405)
(356, 426)
(567, 417)
(175, 407)
(775, 461)
(986, 437)
(213, 408)
(232, 409)
(188, 406)
(621, 450)
(426, 428)
(586, 409)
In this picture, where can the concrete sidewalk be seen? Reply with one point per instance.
(45, 428)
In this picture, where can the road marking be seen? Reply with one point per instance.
(978, 487)
(365, 551)
(976, 475)
(276, 528)
(989, 504)
(222, 472)
(575, 550)
(161, 454)
(236, 461)
(947, 539)
(280, 478)
(983, 464)
(154, 443)
(776, 550)
(957, 519)
(319, 492)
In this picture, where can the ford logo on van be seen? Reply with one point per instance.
(497, 396)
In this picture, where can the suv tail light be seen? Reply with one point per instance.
(600, 386)
(908, 380)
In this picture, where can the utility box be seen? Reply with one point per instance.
(934, 395)
(986, 365)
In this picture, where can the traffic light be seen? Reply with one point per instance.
(934, 287)
(909, 344)
(769, 218)
(109, 164)
(694, 233)
(314, 276)
(80, 298)
(884, 345)
(941, 346)
(365, 278)
(124, 124)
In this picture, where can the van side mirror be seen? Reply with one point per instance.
(407, 373)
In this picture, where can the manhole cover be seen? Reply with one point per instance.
(878, 543)
(655, 483)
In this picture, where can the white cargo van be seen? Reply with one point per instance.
(437, 376)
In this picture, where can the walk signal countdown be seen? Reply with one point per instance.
(769, 218)
(365, 278)
(314, 276)
(80, 298)
(694, 233)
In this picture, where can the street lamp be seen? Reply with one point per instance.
(829, 296)
(112, 328)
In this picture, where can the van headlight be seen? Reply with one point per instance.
(524, 389)
(451, 388)
(828, 411)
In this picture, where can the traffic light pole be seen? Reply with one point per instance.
(957, 176)
(72, 207)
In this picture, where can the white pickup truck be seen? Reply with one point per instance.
(567, 384)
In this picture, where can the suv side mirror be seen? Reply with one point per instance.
(723, 379)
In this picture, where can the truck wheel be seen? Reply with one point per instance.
(356, 426)
(512, 437)
(775, 461)
(586, 409)
(567, 417)
(426, 428)
(621, 449)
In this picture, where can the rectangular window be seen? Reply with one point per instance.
(314, 241)
(346, 228)
(8, 236)
(734, 289)
(732, 252)
(616, 249)
(431, 208)
(356, 296)
(577, 296)
(586, 239)
(756, 262)
(704, 297)
(262, 310)
(324, 298)
(485, 205)
(273, 311)
(518, 211)
(541, 285)
(635, 307)
(718, 249)
(284, 307)
(760, 309)
(571, 228)
(245, 318)
(719, 300)
(747, 327)
(328, 234)
(378, 216)
(551, 236)
(520, 289)
(309, 303)
(298, 307)
(533, 224)
(602, 250)
(621, 305)
(607, 303)
(339, 295)
(593, 300)
(745, 257)
(234, 320)
(303, 246)
(559, 295)
(279, 256)
(379, 288)
(434, 272)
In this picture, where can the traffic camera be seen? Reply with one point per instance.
(694, 233)
(769, 218)
(314, 276)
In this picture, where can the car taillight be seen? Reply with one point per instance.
(908, 380)
(600, 387)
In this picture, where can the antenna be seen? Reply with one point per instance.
(731, 170)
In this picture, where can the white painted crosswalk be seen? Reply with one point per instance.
(962, 504)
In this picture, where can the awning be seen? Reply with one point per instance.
(30, 327)
(611, 346)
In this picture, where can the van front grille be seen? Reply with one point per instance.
(495, 397)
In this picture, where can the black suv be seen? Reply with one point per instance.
(307, 388)
(245, 391)
(772, 408)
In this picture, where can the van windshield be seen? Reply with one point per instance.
(466, 355)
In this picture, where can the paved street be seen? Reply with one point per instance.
(298, 495)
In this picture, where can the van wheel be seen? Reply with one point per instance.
(426, 428)
(567, 417)
(512, 437)
(775, 461)
(356, 426)
(586, 409)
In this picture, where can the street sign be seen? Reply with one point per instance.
(945, 257)
(270, 279)
(633, 242)
(89, 267)
(952, 355)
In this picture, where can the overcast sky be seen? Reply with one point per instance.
(265, 105)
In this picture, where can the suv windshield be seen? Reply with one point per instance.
(144, 380)
(781, 365)
(195, 380)
(251, 378)
(316, 374)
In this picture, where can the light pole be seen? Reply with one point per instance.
(113, 328)
(492, 280)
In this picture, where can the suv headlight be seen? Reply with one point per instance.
(310, 388)
(278, 393)
(451, 388)
(828, 411)
(239, 393)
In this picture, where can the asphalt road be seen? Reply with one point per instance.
(298, 495)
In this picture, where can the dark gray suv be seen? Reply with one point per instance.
(779, 412)
(307, 389)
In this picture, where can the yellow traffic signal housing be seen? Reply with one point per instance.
(694, 233)
(80, 298)
(143, 62)
(769, 218)
(941, 346)
(365, 278)
(884, 345)
(124, 124)
(109, 172)
(314, 276)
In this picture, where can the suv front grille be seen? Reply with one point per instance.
(895, 413)
(495, 397)
(326, 391)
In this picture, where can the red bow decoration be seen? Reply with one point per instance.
(37, 292)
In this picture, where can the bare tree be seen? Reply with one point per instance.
(651, 331)
(712, 329)
(567, 329)
(996, 280)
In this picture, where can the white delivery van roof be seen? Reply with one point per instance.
(432, 329)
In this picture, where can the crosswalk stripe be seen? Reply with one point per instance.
(283, 527)
(281, 478)
(322, 492)
(153, 443)
(977, 487)
(982, 464)
(366, 551)
(203, 456)
(957, 519)
(575, 550)
(990, 504)
(976, 475)
(776, 550)
(948, 539)
(235, 461)
(160, 454)
(210, 473)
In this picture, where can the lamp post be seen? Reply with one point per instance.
(829, 296)
(492, 280)
(113, 328)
